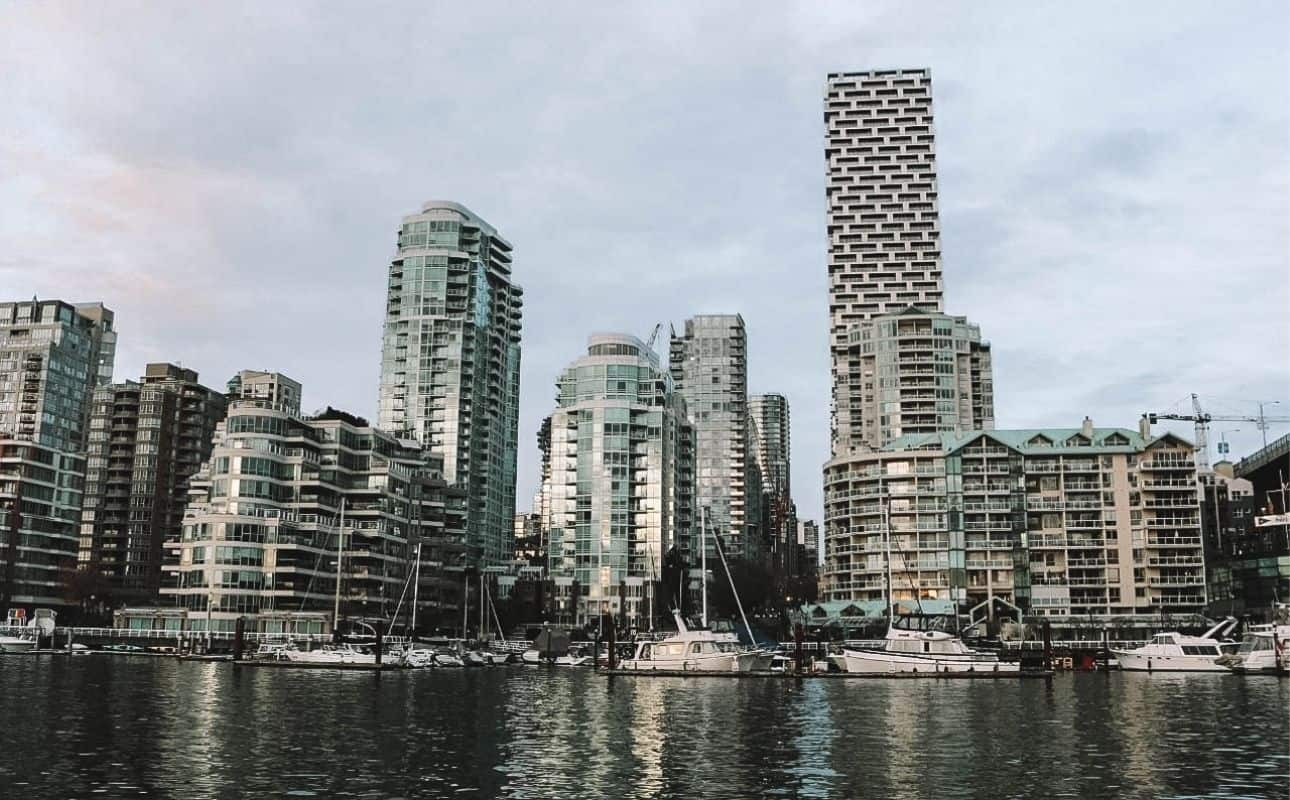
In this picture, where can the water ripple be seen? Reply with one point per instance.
(123, 727)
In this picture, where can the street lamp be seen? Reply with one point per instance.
(1263, 423)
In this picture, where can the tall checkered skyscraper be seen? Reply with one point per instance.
(884, 234)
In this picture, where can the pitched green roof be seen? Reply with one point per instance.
(1020, 439)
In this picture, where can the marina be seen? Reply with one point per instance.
(523, 732)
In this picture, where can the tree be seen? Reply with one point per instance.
(89, 592)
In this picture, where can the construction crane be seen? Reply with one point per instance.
(653, 336)
(1202, 420)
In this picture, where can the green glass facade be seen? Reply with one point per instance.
(52, 355)
(450, 361)
(616, 493)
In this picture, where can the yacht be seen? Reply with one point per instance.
(1175, 652)
(915, 643)
(1265, 649)
(696, 651)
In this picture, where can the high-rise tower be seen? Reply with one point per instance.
(884, 233)
(615, 488)
(709, 364)
(450, 361)
(52, 356)
(146, 440)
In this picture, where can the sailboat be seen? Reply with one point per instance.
(344, 654)
(917, 643)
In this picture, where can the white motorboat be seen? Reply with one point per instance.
(418, 658)
(1175, 652)
(20, 635)
(495, 659)
(914, 644)
(1172, 652)
(696, 651)
(473, 658)
(339, 655)
(267, 651)
(447, 658)
(531, 656)
(20, 643)
(576, 657)
(1265, 649)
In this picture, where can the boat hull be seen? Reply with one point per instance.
(878, 662)
(1138, 662)
(718, 662)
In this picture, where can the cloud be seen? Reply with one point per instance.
(229, 178)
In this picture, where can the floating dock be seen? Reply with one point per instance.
(983, 675)
(250, 662)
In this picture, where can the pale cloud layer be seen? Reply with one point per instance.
(229, 178)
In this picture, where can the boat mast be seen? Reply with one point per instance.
(738, 603)
(481, 606)
(703, 558)
(501, 634)
(340, 556)
(416, 584)
(465, 603)
(886, 525)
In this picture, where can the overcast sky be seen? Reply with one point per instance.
(1114, 185)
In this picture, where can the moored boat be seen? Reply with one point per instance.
(17, 643)
(695, 651)
(447, 658)
(915, 643)
(1264, 650)
(1175, 652)
(340, 655)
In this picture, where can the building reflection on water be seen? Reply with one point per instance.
(123, 725)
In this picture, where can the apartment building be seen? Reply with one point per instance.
(450, 361)
(615, 494)
(1059, 522)
(146, 439)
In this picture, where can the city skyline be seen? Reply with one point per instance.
(1057, 203)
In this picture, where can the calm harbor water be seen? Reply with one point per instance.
(128, 726)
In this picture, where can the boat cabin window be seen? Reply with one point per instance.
(1200, 650)
(1254, 644)
(924, 622)
(1162, 639)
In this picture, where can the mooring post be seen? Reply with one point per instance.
(239, 630)
(595, 648)
(613, 647)
(1048, 645)
(1106, 650)
(799, 650)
